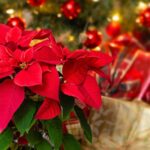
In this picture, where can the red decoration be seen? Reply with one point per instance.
(16, 22)
(94, 38)
(71, 9)
(113, 29)
(36, 3)
(144, 17)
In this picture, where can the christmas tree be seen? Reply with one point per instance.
(69, 20)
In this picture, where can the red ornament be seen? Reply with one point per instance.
(113, 29)
(16, 22)
(94, 38)
(36, 3)
(71, 9)
(144, 17)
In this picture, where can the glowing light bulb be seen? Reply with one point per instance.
(59, 15)
(10, 11)
(71, 38)
(115, 17)
(141, 5)
(95, 0)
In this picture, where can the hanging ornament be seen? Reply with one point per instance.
(16, 21)
(144, 17)
(70, 9)
(93, 38)
(36, 3)
(113, 29)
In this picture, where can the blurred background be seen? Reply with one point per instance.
(70, 19)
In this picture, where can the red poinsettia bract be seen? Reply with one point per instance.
(19, 69)
(78, 81)
(28, 61)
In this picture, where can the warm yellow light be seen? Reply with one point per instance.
(71, 38)
(115, 17)
(95, 0)
(10, 11)
(141, 5)
(59, 15)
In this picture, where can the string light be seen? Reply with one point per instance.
(116, 17)
(59, 15)
(141, 5)
(95, 0)
(71, 38)
(10, 11)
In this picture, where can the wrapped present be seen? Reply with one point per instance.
(73, 126)
(120, 125)
(129, 76)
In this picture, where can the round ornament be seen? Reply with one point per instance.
(36, 3)
(16, 22)
(144, 17)
(93, 38)
(70, 9)
(113, 29)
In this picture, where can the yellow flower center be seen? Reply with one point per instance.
(23, 65)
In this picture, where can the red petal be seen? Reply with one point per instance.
(43, 33)
(3, 30)
(78, 53)
(47, 55)
(40, 45)
(89, 92)
(48, 110)
(98, 59)
(13, 35)
(5, 53)
(12, 97)
(52, 54)
(23, 56)
(50, 85)
(75, 71)
(27, 38)
(29, 77)
(72, 89)
(5, 62)
(5, 74)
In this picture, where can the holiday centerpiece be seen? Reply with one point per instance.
(41, 82)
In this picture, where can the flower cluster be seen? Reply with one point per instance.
(28, 64)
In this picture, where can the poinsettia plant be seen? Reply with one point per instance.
(41, 82)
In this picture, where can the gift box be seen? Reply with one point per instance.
(120, 125)
(129, 76)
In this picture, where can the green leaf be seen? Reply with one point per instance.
(24, 116)
(54, 128)
(67, 104)
(84, 124)
(5, 139)
(34, 137)
(70, 143)
(43, 145)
